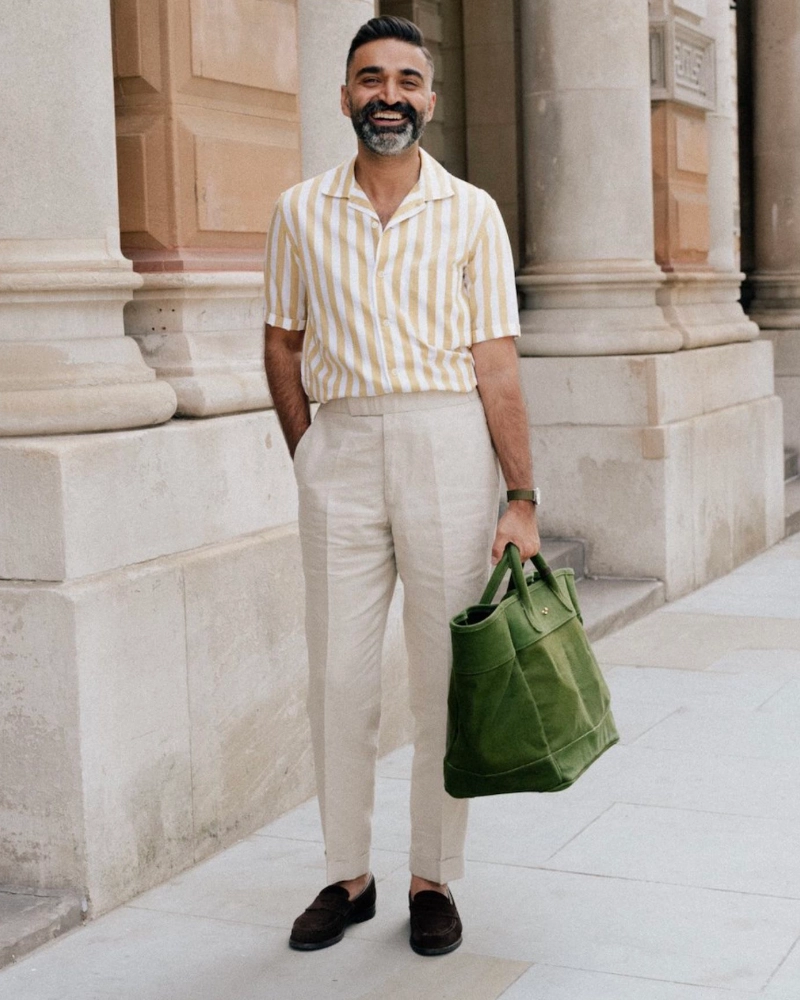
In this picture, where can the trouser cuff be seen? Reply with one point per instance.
(341, 871)
(437, 870)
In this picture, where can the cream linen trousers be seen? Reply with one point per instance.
(405, 484)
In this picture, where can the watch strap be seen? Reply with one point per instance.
(533, 495)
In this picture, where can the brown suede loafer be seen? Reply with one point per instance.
(324, 922)
(435, 923)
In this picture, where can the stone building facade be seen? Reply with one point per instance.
(152, 667)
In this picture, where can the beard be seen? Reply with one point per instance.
(387, 140)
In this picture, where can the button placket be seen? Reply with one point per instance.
(378, 296)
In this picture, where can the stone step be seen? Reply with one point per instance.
(608, 603)
(560, 553)
(31, 917)
(793, 506)
(790, 464)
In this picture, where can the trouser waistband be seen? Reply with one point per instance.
(397, 402)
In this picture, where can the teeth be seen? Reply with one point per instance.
(389, 115)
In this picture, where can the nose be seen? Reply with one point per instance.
(391, 92)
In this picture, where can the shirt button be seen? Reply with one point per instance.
(375, 224)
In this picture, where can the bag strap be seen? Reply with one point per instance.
(511, 558)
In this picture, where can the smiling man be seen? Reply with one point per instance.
(391, 301)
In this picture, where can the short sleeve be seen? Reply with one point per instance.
(283, 278)
(489, 280)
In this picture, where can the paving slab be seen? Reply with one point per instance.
(543, 982)
(745, 854)
(691, 641)
(628, 927)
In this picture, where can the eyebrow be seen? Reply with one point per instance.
(379, 69)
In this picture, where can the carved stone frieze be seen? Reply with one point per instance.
(682, 65)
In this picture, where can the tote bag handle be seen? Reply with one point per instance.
(511, 558)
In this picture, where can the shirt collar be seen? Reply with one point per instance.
(434, 184)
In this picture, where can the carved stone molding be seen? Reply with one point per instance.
(682, 65)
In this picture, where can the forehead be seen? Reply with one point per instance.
(392, 55)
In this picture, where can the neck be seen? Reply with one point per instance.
(384, 176)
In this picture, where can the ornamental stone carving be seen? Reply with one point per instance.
(682, 65)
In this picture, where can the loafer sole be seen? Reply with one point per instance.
(316, 945)
(435, 951)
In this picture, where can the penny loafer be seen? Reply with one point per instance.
(435, 923)
(323, 923)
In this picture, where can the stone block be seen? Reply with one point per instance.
(91, 503)
(649, 390)
(714, 499)
(788, 388)
(95, 766)
(675, 463)
(135, 742)
(41, 810)
(251, 757)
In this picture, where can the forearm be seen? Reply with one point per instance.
(497, 372)
(282, 358)
(507, 418)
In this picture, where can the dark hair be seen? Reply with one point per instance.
(388, 27)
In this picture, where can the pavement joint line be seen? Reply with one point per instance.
(782, 962)
(705, 812)
(669, 715)
(652, 881)
(201, 916)
(792, 680)
(645, 979)
(582, 830)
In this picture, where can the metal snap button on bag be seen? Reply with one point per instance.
(528, 708)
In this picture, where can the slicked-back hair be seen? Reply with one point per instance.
(388, 27)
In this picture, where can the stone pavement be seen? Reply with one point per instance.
(670, 871)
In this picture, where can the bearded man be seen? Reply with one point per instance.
(391, 301)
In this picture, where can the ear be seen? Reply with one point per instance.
(345, 102)
(431, 107)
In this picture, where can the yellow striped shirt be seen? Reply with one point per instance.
(394, 309)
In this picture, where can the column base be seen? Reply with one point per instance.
(670, 466)
(203, 334)
(607, 310)
(65, 365)
(704, 307)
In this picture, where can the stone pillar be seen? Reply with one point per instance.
(65, 364)
(491, 113)
(693, 150)
(325, 29)
(776, 281)
(208, 136)
(667, 462)
(590, 279)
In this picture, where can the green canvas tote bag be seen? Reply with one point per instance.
(528, 708)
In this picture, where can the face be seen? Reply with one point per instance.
(388, 95)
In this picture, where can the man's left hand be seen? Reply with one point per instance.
(517, 525)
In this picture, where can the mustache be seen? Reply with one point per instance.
(401, 108)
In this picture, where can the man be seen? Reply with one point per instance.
(391, 301)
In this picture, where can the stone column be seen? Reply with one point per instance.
(776, 282)
(65, 364)
(667, 462)
(694, 195)
(590, 279)
(325, 29)
(208, 136)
